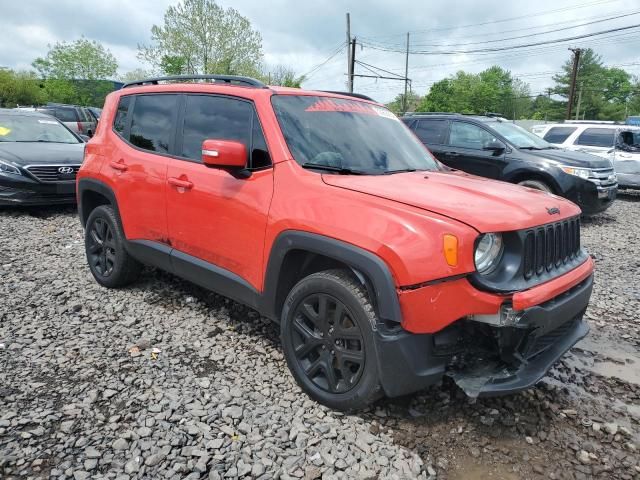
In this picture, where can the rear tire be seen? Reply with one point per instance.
(328, 340)
(537, 185)
(109, 262)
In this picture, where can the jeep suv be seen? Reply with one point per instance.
(493, 147)
(384, 270)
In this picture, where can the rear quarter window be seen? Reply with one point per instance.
(558, 134)
(597, 137)
(121, 117)
(66, 114)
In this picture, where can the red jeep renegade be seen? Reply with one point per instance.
(385, 269)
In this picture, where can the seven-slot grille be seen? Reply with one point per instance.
(550, 246)
(51, 173)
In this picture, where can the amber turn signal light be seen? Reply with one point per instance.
(450, 244)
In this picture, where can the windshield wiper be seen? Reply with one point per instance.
(331, 168)
(400, 170)
(533, 148)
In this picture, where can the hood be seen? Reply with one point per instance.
(486, 205)
(571, 157)
(42, 153)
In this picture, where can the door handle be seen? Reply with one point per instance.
(179, 183)
(119, 165)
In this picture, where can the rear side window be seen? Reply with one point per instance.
(120, 120)
(153, 122)
(558, 134)
(597, 137)
(432, 131)
(222, 118)
(66, 114)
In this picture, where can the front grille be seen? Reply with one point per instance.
(51, 173)
(603, 177)
(550, 246)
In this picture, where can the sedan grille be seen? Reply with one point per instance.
(54, 173)
(550, 246)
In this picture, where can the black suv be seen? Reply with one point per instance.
(493, 147)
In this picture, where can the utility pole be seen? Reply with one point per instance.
(352, 65)
(349, 71)
(574, 74)
(546, 110)
(406, 77)
(579, 102)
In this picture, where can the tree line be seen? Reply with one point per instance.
(602, 93)
(197, 36)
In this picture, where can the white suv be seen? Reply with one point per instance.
(618, 143)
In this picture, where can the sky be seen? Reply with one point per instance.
(310, 37)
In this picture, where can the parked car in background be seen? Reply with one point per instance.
(96, 112)
(618, 143)
(76, 118)
(493, 147)
(39, 159)
(385, 270)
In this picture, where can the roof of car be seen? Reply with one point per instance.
(611, 126)
(16, 112)
(490, 117)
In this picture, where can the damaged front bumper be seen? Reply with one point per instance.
(487, 355)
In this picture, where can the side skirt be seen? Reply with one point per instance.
(195, 270)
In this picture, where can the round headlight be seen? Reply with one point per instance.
(488, 252)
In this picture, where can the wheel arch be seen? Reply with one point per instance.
(93, 193)
(530, 174)
(296, 254)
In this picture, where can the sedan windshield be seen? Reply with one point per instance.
(26, 128)
(348, 136)
(519, 137)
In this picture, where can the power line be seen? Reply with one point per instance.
(320, 65)
(547, 12)
(521, 36)
(511, 47)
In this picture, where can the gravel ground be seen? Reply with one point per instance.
(166, 380)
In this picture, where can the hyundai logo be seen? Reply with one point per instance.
(65, 170)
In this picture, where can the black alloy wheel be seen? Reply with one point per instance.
(328, 343)
(101, 249)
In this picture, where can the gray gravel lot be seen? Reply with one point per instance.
(166, 380)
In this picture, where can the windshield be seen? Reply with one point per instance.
(348, 135)
(519, 137)
(24, 128)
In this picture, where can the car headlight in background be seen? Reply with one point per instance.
(578, 172)
(488, 252)
(6, 167)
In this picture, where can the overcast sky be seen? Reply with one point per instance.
(302, 35)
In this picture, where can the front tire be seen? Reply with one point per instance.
(109, 262)
(328, 340)
(536, 185)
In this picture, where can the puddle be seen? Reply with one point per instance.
(608, 359)
(468, 470)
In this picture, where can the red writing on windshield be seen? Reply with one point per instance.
(328, 105)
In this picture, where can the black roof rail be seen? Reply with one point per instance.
(417, 114)
(350, 94)
(230, 79)
(493, 114)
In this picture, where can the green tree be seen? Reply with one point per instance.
(397, 104)
(19, 88)
(135, 74)
(492, 90)
(282, 76)
(81, 60)
(602, 92)
(207, 38)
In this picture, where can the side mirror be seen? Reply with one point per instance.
(495, 146)
(224, 153)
